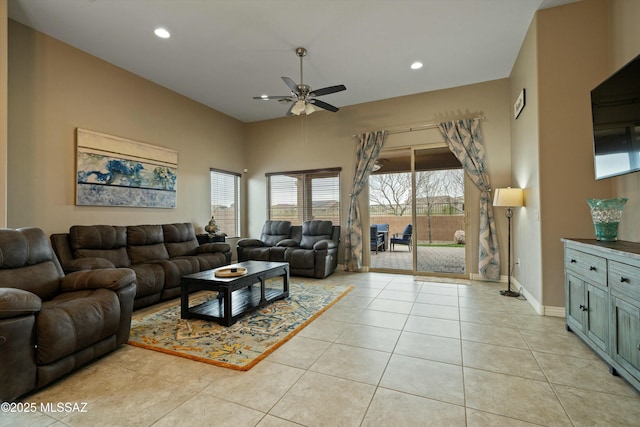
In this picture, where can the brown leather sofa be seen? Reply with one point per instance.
(51, 324)
(159, 254)
(310, 249)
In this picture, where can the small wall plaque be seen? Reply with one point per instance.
(519, 104)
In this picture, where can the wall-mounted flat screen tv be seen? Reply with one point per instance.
(615, 108)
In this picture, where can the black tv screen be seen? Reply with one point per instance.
(615, 108)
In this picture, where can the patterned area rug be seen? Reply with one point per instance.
(242, 345)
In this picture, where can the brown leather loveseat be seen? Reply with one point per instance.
(51, 324)
(159, 254)
(310, 249)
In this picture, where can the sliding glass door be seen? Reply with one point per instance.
(416, 204)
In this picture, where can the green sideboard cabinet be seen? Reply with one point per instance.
(602, 301)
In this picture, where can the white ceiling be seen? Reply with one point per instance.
(224, 52)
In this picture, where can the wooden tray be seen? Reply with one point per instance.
(226, 272)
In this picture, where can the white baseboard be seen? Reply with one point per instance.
(537, 306)
(517, 286)
(555, 311)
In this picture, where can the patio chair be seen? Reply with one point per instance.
(377, 239)
(405, 239)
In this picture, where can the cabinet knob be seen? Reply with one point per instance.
(573, 261)
(623, 279)
(639, 347)
(592, 268)
(583, 307)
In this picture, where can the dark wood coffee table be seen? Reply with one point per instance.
(236, 295)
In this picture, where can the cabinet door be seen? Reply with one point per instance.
(575, 295)
(597, 316)
(626, 348)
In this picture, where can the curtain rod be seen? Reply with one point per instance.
(424, 126)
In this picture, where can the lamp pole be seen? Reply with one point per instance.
(509, 293)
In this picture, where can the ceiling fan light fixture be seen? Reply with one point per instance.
(309, 108)
(298, 107)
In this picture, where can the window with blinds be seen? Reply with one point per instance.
(305, 195)
(225, 201)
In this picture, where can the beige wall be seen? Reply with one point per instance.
(3, 111)
(325, 140)
(624, 46)
(564, 56)
(525, 167)
(572, 52)
(54, 88)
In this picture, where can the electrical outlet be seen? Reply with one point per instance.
(518, 261)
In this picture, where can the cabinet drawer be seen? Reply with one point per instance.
(591, 267)
(625, 279)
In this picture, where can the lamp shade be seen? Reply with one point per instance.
(508, 197)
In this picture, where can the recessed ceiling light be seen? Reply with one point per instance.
(162, 33)
(264, 96)
(416, 65)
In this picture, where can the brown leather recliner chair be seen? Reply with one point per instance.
(273, 232)
(51, 324)
(311, 249)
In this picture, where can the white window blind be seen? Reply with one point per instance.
(305, 195)
(225, 201)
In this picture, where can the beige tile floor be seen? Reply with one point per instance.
(396, 351)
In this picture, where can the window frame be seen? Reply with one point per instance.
(306, 211)
(235, 205)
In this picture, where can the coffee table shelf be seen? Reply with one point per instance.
(236, 295)
(243, 301)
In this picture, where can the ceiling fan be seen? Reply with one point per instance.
(303, 98)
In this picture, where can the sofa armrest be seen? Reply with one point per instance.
(107, 278)
(249, 243)
(80, 264)
(17, 302)
(324, 245)
(213, 248)
(289, 243)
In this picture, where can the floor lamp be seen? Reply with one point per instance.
(509, 198)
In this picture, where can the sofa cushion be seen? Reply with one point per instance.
(256, 254)
(277, 254)
(180, 239)
(175, 268)
(73, 321)
(18, 302)
(300, 258)
(149, 279)
(146, 243)
(274, 231)
(27, 262)
(210, 260)
(100, 241)
(24, 247)
(314, 231)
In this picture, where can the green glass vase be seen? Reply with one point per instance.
(606, 215)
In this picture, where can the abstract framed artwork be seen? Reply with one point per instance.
(113, 171)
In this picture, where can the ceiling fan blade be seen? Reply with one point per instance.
(267, 98)
(323, 105)
(291, 84)
(327, 90)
